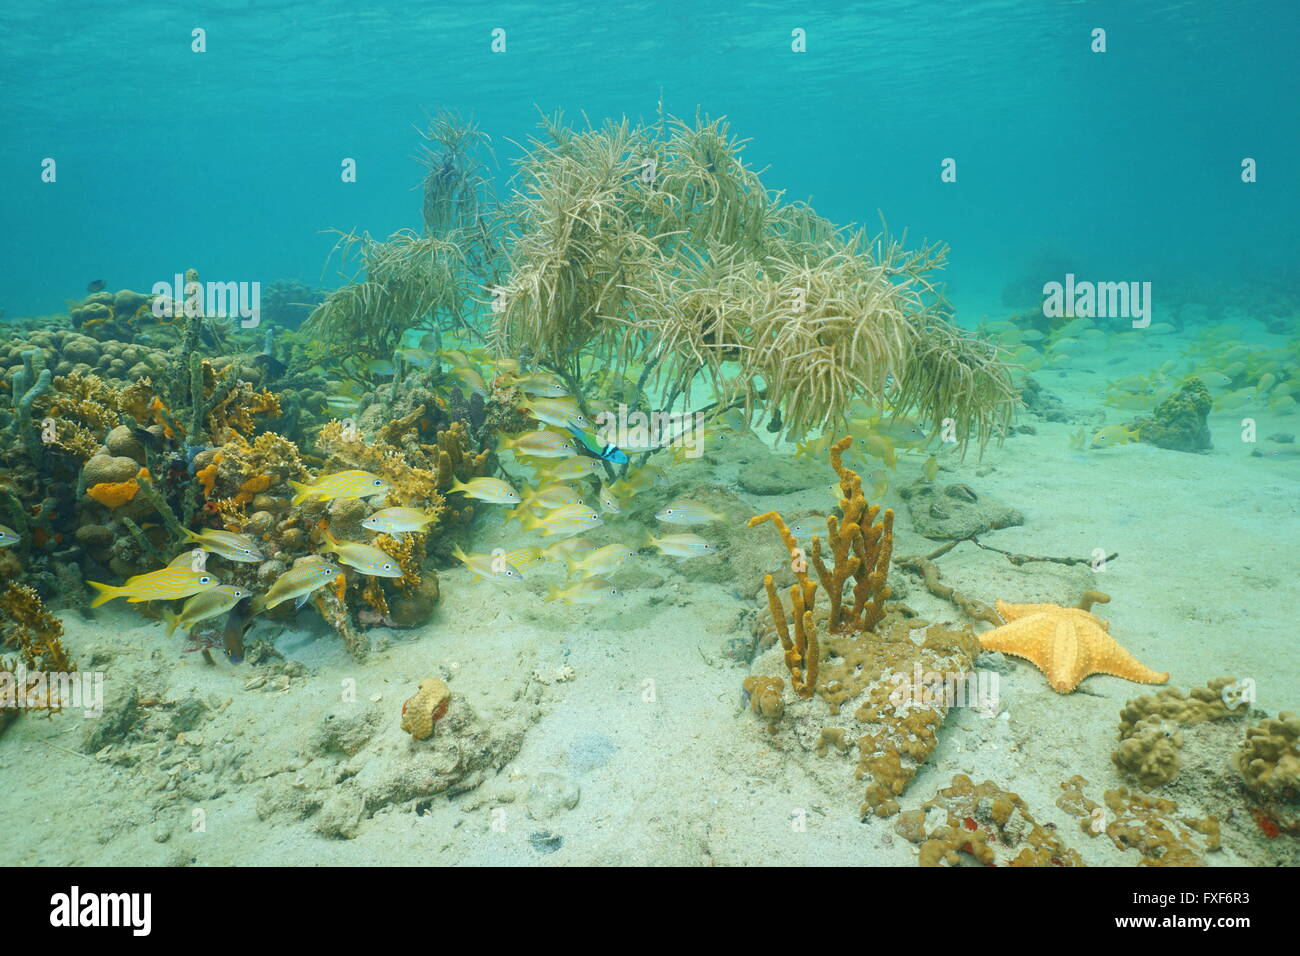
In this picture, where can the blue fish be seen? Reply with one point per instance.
(610, 453)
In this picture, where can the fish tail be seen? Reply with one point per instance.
(106, 593)
(554, 594)
(258, 604)
(531, 522)
(172, 620)
(301, 492)
(459, 554)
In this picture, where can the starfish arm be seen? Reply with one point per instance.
(1016, 637)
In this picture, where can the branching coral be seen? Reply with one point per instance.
(657, 245)
(400, 282)
(864, 657)
(37, 635)
(860, 547)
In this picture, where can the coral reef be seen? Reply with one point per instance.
(1150, 729)
(26, 626)
(1269, 757)
(1179, 422)
(1150, 825)
(991, 825)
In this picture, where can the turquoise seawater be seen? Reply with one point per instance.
(1124, 163)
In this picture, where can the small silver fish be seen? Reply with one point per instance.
(8, 536)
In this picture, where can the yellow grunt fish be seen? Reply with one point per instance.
(600, 562)
(579, 466)
(570, 549)
(8, 536)
(204, 605)
(492, 490)
(589, 591)
(562, 411)
(543, 443)
(178, 580)
(523, 558)
(398, 522)
(491, 566)
(227, 544)
(609, 502)
(553, 494)
(364, 557)
(683, 545)
(540, 383)
(470, 377)
(346, 485)
(688, 512)
(1113, 435)
(298, 583)
(570, 519)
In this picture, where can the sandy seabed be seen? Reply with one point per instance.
(618, 734)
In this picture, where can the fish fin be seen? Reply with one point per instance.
(183, 560)
(172, 620)
(258, 605)
(554, 594)
(301, 492)
(106, 593)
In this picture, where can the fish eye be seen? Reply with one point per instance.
(204, 580)
(377, 482)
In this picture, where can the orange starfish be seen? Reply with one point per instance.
(1066, 644)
